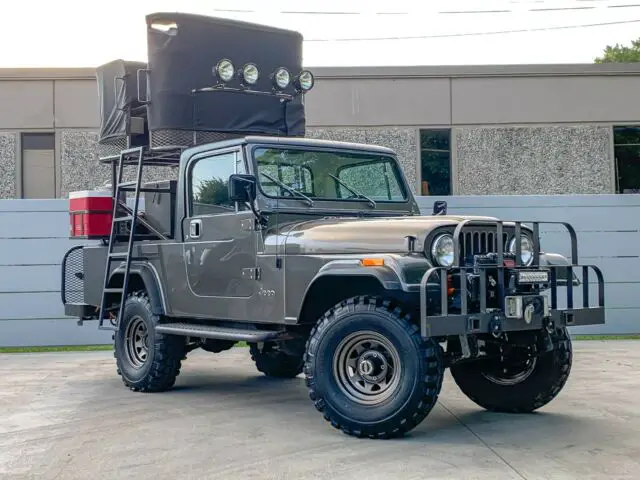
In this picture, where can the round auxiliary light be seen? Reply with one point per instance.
(250, 73)
(304, 81)
(224, 70)
(526, 249)
(281, 78)
(442, 250)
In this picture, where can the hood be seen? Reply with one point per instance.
(361, 235)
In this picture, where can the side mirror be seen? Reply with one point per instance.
(242, 188)
(440, 207)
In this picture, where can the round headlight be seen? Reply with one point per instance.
(224, 70)
(304, 81)
(250, 73)
(442, 250)
(526, 249)
(281, 78)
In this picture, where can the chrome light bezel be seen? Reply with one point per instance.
(435, 245)
(511, 248)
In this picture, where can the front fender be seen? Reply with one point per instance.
(385, 274)
(561, 273)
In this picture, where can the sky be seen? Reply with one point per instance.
(87, 33)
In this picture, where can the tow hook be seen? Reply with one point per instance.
(495, 326)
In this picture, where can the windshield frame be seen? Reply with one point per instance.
(356, 202)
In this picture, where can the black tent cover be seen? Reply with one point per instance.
(182, 58)
(117, 97)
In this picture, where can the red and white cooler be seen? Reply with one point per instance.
(90, 213)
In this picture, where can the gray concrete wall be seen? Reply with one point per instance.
(34, 237)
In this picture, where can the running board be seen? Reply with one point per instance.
(219, 333)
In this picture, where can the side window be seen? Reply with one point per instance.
(209, 183)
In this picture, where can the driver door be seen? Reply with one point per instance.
(220, 245)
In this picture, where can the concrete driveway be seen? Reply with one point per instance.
(68, 416)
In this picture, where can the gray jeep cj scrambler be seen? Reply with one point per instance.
(313, 252)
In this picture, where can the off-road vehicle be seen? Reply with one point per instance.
(314, 252)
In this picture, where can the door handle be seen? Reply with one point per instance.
(195, 228)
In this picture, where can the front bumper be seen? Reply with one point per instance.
(478, 319)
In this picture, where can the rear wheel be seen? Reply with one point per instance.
(147, 361)
(369, 371)
(517, 384)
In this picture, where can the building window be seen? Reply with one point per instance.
(38, 165)
(435, 161)
(626, 148)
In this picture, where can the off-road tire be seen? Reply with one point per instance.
(545, 382)
(165, 352)
(275, 363)
(419, 383)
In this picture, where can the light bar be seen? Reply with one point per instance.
(531, 277)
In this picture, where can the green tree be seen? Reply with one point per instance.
(214, 192)
(621, 53)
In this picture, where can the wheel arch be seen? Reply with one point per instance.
(338, 282)
(142, 277)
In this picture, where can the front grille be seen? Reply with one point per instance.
(479, 242)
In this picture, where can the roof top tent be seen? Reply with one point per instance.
(200, 86)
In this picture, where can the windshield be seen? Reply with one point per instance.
(329, 175)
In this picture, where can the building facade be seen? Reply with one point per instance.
(482, 130)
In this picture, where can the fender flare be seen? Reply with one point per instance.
(388, 278)
(151, 281)
(385, 276)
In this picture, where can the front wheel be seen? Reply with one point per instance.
(369, 371)
(517, 385)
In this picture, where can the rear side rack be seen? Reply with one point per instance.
(484, 320)
(123, 214)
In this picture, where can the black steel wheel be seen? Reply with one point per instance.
(517, 384)
(368, 370)
(367, 367)
(146, 360)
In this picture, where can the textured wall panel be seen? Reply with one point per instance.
(81, 170)
(534, 160)
(7, 165)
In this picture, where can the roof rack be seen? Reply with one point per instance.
(160, 156)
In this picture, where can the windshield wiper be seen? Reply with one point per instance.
(289, 189)
(358, 194)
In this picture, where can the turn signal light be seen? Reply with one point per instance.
(372, 262)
